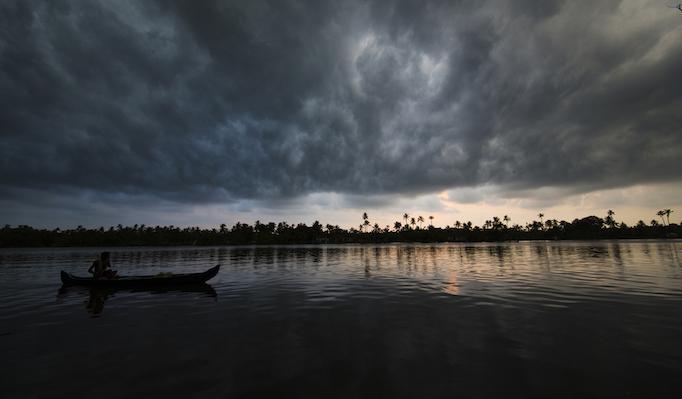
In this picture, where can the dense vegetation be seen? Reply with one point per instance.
(588, 228)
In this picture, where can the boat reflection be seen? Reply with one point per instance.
(99, 295)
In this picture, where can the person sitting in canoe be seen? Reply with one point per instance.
(102, 268)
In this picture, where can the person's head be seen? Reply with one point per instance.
(105, 256)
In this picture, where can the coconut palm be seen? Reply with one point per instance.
(541, 215)
(609, 219)
(420, 219)
(506, 219)
(667, 215)
(431, 218)
(365, 222)
(661, 214)
(407, 219)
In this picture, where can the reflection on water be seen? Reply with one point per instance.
(554, 319)
(97, 298)
(99, 295)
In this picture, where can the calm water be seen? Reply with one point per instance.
(556, 319)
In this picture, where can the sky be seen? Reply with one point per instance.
(198, 113)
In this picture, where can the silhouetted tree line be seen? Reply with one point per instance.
(588, 228)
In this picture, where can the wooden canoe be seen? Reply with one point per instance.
(139, 281)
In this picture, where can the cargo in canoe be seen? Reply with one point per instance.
(135, 281)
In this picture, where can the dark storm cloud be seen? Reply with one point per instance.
(215, 101)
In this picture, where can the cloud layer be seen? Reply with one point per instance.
(217, 101)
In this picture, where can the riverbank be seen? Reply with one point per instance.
(590, 228)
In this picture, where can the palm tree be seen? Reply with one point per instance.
(667, 215)
(541, 215)
(412, 222)
(609, 219)
(431, 218)
(661, 213)
(506, 219)
(365, 222)
(420, 219)
(407, 218)
(397, 226)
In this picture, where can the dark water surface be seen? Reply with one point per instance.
(531, 320)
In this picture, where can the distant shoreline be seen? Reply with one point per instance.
(595, 240)
(586, 229)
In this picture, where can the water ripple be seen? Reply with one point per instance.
(596, 319)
